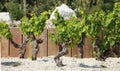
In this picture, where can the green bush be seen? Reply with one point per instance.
(5, 30)
(1, 7)
(15, 10)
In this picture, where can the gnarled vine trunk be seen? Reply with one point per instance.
(80, 45)
(112, 52)
(35, 47)
(61, 53)
(97, 49)
(22, 47)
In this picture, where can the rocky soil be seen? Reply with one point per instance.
(48, 64)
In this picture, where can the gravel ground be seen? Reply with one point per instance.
(48, 64)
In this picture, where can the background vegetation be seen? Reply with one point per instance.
(16, 7)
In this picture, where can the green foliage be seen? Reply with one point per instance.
(15, 7)
(94, 24)
(109, 23)
(35, 24)
(1, 7)
(38, 6)
(15, 10)
(112, 26)
(5, 31)
(66, 30)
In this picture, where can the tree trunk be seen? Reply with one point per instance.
(59, 54)
(24, 7)
(111, 52)
(35, 48)
(14, 44)
(97, 49)
(80, 45)
(80, 52)
(98, 54)
(22, 47)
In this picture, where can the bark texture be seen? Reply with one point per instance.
(97, 49)
(35, 49)
(80, 46)
(114, 51)
(22, 47)
(35, 46)
(61, 53)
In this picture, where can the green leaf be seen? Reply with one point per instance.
(35, 24)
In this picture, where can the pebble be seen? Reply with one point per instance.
(48, 64)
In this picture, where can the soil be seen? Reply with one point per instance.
(70, 64)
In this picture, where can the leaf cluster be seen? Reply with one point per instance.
(108, 23)
(92, 25)
(35, 24)
(112, 26)
(67, 30)
(5, 31)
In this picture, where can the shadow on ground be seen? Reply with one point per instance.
(44, 60)
(118, 62)
(10, 63)
(87, 66)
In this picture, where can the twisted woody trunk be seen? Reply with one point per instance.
(63, 52)
(22, 47)
(35, 48)
(80, 45)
